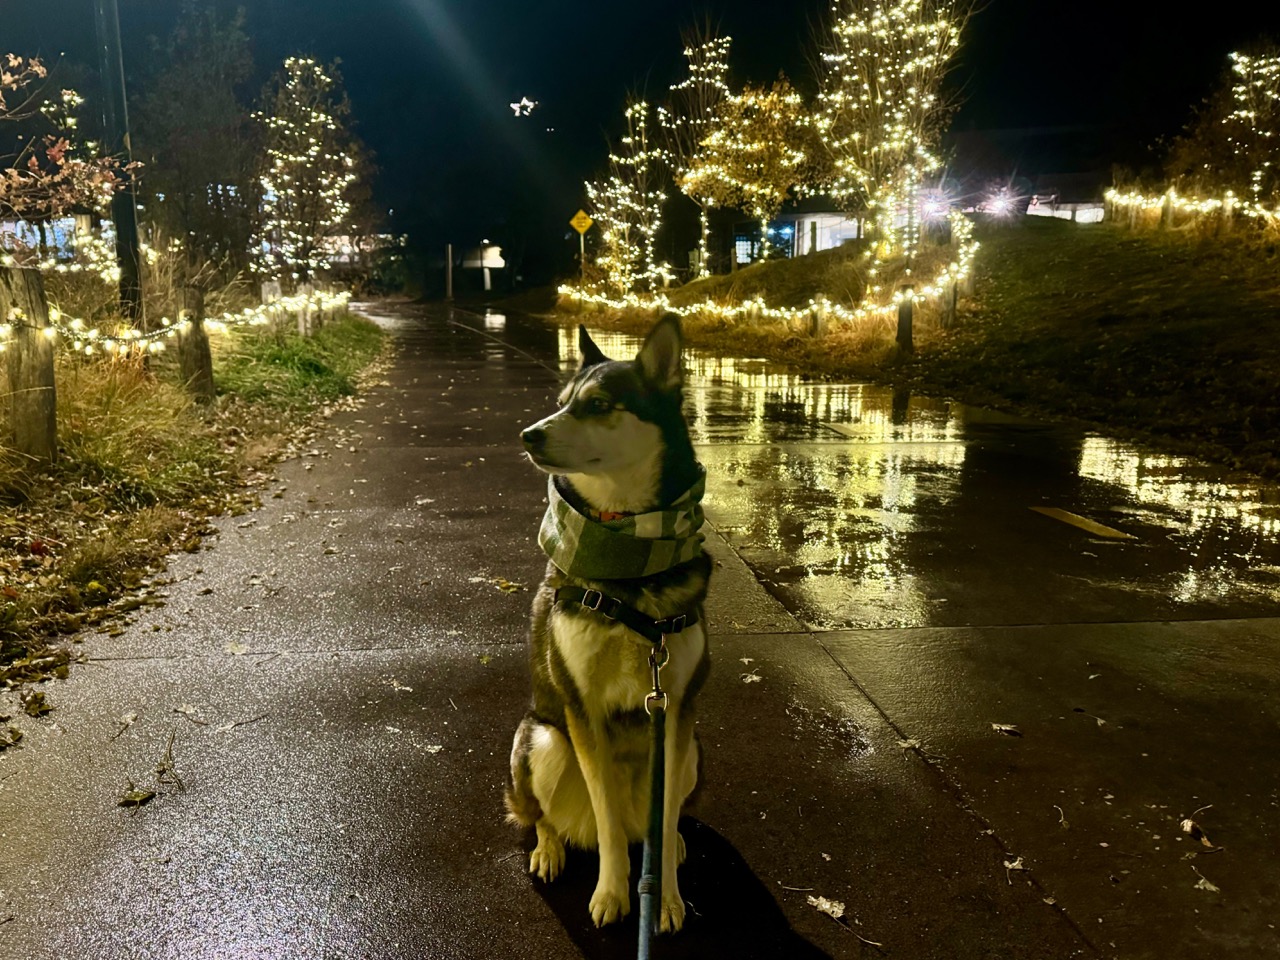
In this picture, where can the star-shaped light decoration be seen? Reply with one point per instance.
(524, 107)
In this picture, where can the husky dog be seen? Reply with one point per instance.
(620, 457)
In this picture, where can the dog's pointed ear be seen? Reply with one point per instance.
(659, 358)
(591, 354)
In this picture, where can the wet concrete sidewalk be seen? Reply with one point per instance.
(340, 672)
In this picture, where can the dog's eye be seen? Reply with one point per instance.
(599, 405)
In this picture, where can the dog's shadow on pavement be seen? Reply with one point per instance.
(729, 911)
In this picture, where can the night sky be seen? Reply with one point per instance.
(431, 80)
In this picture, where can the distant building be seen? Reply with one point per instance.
(808, 226)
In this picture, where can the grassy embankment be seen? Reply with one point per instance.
(140, 471)
(1172, 337)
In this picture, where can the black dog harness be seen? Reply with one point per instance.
(631, 618)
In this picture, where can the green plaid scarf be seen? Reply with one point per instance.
(635, 546)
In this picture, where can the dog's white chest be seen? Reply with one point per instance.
(609, 663)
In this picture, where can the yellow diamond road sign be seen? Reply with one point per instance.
(581, 222)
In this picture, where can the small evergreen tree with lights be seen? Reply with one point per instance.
(309, 170)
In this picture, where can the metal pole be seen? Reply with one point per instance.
(582, 255)
(448, 271)
(115, 119)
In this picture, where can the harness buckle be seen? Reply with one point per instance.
(672, 625)
(595, 600)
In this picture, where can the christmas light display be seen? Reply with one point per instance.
(1255, 120)
(1253, 133)
(122, 340)
(309, 172)
(628, 208)
(870, 307)
(688, 119)
(751, 158)
(880, 110)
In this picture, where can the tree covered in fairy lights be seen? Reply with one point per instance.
(627, 205)
(309, 169)
(753, 155)
(881, 109)
(1233, 143)
(688, 118)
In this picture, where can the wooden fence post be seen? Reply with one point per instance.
(194, 356)
(306, 291)
(32, 392)
(906, 341)
(950, 294)
(818, 317)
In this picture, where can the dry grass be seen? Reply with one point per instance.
(140, 469)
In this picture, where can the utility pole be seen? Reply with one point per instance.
(115, 121)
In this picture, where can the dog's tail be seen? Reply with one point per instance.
(523, 808)
(522, 805)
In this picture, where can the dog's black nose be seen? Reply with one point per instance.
(534, 438)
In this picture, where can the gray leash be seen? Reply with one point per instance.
(650, 887)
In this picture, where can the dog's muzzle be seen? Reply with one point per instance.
(535, 439)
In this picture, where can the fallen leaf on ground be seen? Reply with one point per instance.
(507, 586)
(434, 748)
(1204, 884)
(226, 727)
(134, 797)
(1011, 865)
(189, 711)
(751, 677)
(236, 648)
(126, 721)
(9, 737)
(33, 703)
(832, 908)
(1191, 828)
(1008, 729)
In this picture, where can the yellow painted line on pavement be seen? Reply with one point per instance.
(1084, 523)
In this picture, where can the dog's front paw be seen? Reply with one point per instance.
(547, 860)
(671, 919)
(609, 905)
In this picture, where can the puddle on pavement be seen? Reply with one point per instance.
(862, 506)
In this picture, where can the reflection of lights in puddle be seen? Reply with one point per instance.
(1164, 481)
(495, 322)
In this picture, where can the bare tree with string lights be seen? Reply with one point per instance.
(881, 107)
(628, 206)
(689, 117)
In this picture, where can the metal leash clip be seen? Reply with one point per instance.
(657, 660)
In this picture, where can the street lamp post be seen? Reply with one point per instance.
(115, 118)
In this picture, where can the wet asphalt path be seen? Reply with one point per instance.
(340, 673)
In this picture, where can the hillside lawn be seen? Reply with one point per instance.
(1172, 337)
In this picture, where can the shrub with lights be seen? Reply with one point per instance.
(752, 157)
